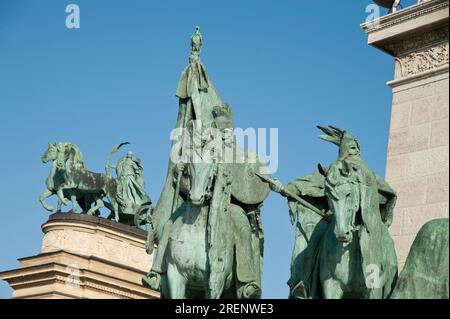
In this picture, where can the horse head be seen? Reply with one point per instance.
(51, 153)
(201, 160)
(66, 154)
(201, 177)
(343, 196)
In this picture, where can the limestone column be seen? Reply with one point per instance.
(417, 38)
(84, 257)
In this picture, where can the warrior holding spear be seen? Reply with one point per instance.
(308, 207)
(309, 212)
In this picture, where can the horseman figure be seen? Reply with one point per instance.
(353, 240)
(209, 240)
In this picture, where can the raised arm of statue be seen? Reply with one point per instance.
(293, 192)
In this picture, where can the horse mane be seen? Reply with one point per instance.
(73, 158)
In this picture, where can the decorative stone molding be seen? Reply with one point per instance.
(93, 236)
(417, 37)
(419, 62)
(84, 257)
(411, 13)
(419, 41)
(412, 29)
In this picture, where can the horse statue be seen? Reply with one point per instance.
(206, 223)
(357, 256)
(70, 179)
(342, 213)
(212, 248)
(426, 271)
(187, 251)
(63, 155)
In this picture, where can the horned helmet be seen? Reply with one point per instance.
(348, 145)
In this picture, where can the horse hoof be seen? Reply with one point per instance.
(149, 249)
(252, 291)
(152, 281)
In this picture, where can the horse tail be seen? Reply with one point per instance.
(111, 155)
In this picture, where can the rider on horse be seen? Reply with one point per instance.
(310, 227)
(199, 101)
(248, 261)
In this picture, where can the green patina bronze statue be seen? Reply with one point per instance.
(343, 248)
(426, 271)
(134, 203)
(68, 178)
(207, 224)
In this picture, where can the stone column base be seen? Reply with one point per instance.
(84, 257)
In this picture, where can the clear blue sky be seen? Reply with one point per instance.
(282, 64)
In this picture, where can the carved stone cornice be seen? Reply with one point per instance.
(417, 27)
(401, 16)
(93, 236)
(70, 275)
(424, 40)
(418, 62)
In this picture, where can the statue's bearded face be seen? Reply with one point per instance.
(349, 147)
(50, 154)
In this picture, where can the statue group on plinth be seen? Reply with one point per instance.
(207, 224)
(124, 195)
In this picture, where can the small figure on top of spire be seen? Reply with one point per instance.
(196, 44)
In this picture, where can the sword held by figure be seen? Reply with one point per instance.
(278, 187)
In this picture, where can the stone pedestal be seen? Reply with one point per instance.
(418, 156)
(84, 257)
